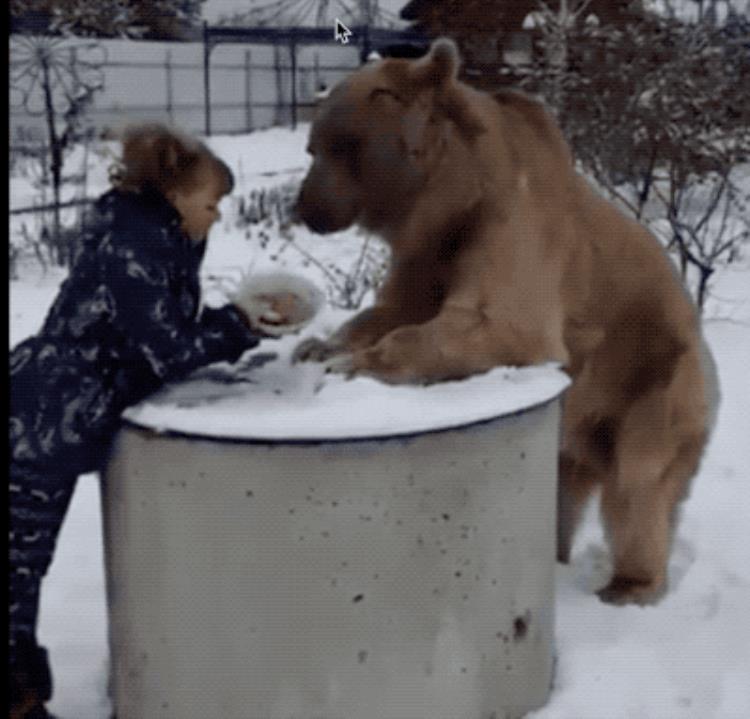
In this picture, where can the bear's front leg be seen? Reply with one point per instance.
(458, 342)
(453, 345)
(362, 331)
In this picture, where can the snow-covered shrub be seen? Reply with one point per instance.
(657, 114)
(49, 222)
(36, 240)
(268, 204)
(266, 214)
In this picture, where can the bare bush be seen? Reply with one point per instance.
(267, 215)
(657, 114)
(57, 80)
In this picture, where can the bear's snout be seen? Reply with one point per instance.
(324, 206)
(313, 214)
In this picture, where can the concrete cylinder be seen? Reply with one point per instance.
(382, 577)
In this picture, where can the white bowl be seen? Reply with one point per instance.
(278, 303)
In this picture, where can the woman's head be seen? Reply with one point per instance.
(177, 166)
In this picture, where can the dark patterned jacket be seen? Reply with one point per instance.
(125, 321)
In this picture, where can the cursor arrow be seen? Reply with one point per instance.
(341, 32)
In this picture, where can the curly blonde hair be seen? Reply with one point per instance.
(156, 157)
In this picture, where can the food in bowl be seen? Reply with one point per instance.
(278, 303)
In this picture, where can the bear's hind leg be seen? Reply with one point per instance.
(639, 515)
(576, 483)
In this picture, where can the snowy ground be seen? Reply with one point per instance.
(683, 659)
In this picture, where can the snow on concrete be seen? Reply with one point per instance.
(282, 401)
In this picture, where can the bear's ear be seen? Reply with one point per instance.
(440, 66)
(438, 70)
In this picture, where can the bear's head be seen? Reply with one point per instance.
(378, 136)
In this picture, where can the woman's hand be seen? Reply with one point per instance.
(271, 313)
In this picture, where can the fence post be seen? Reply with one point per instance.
(278, 119)
(168, 73)
(248, 92)
(366, 44)
(293, 53)
(207, 77)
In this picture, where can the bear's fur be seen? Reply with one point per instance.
(503, 255)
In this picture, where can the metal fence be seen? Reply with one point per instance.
(236, 80)
(251, 87)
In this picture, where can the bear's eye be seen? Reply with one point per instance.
(384, 92)
(346, 150)
(344, 146)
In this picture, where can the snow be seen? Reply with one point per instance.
(686, 658)
(283, 401)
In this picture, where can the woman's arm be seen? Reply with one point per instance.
(160, 320)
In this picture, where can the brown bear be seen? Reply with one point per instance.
(501, 254)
